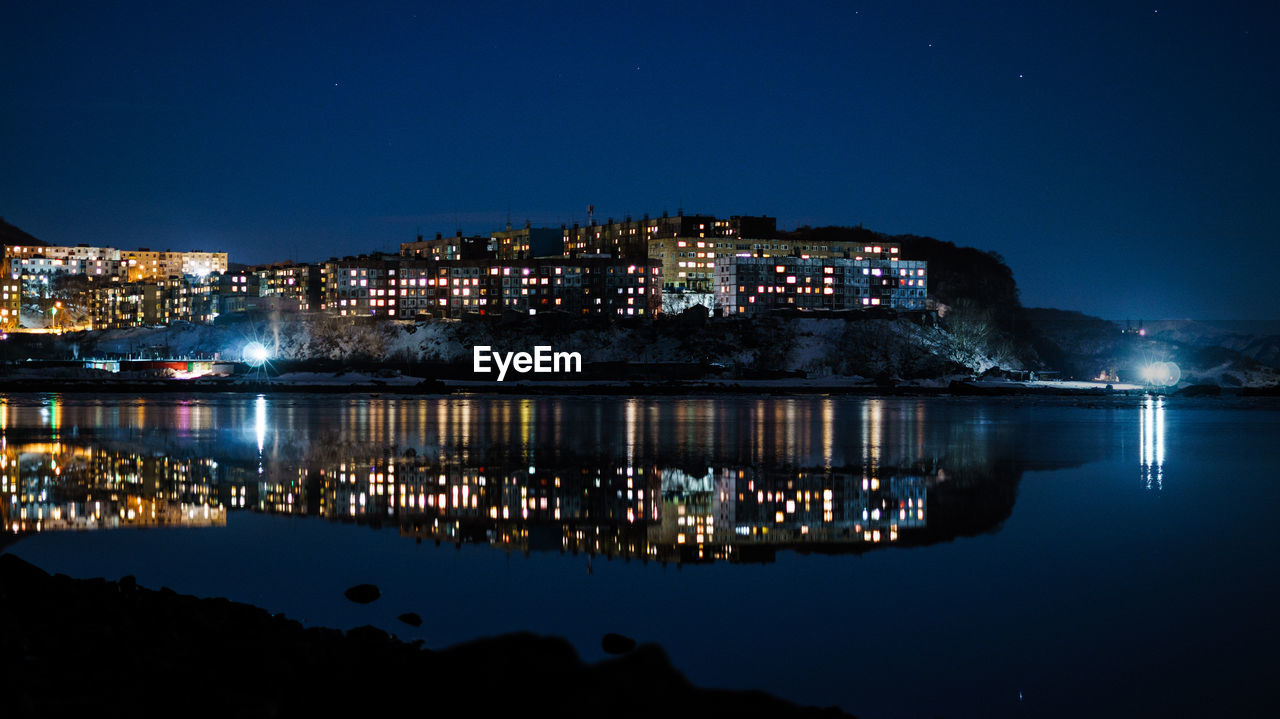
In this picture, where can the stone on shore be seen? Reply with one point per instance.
(362, 593)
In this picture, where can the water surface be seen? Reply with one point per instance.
(896, 557)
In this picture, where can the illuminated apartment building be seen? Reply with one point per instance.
(42, 272)
(38, 271)
(527, 242)
(686, 245)
(174, 299)
(61, 252)
(511, 244)
(448, 248)
(198, 263)
(131, 265)
(10, 301)
(752, 285)
(296, 283)
(36, 267)
(192, 301)
(230, 292)
(363, 286)
(130, 304)
(379, 286)
(146, 264)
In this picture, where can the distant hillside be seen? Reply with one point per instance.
(986, 324)
(1256, 340)
(1082, 346)
(1076, 344)
(1245, 327)
(13, 235)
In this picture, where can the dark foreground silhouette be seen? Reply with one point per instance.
(96, 647)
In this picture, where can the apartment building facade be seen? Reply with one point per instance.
(298, 285)
(747, 285)
(402, 288)
(173, 299)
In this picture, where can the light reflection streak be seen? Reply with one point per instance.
(55, 417)
(828, 430)
(260, 426)
(872, 431)
(630, 423)
(1151, 442)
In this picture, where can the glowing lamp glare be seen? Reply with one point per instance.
(255, 354)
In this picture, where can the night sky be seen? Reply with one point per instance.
(1122, 157)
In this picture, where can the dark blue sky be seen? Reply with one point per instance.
(1122, 157)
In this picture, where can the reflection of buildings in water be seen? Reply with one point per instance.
(737, 514)
(58, 486)
(685, 481)
(669, 514)
(747, 514)
(1151, 442)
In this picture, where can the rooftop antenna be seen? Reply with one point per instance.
(591, 214)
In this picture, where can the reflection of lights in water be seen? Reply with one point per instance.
(464, 427)
(758, 412)
(632, 415)
(55, 417)
(1151, 442)
(790, 450)
(260, 422)
(872, 431)
(828, 430)
(526, 423)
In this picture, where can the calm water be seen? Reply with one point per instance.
(896, 557)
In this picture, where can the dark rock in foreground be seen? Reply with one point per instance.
(79, 646)
(617, 644)
(362, 593)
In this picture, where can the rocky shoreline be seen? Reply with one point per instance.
(115, 648)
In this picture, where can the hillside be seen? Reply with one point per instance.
(13, 235)
(860, 345)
